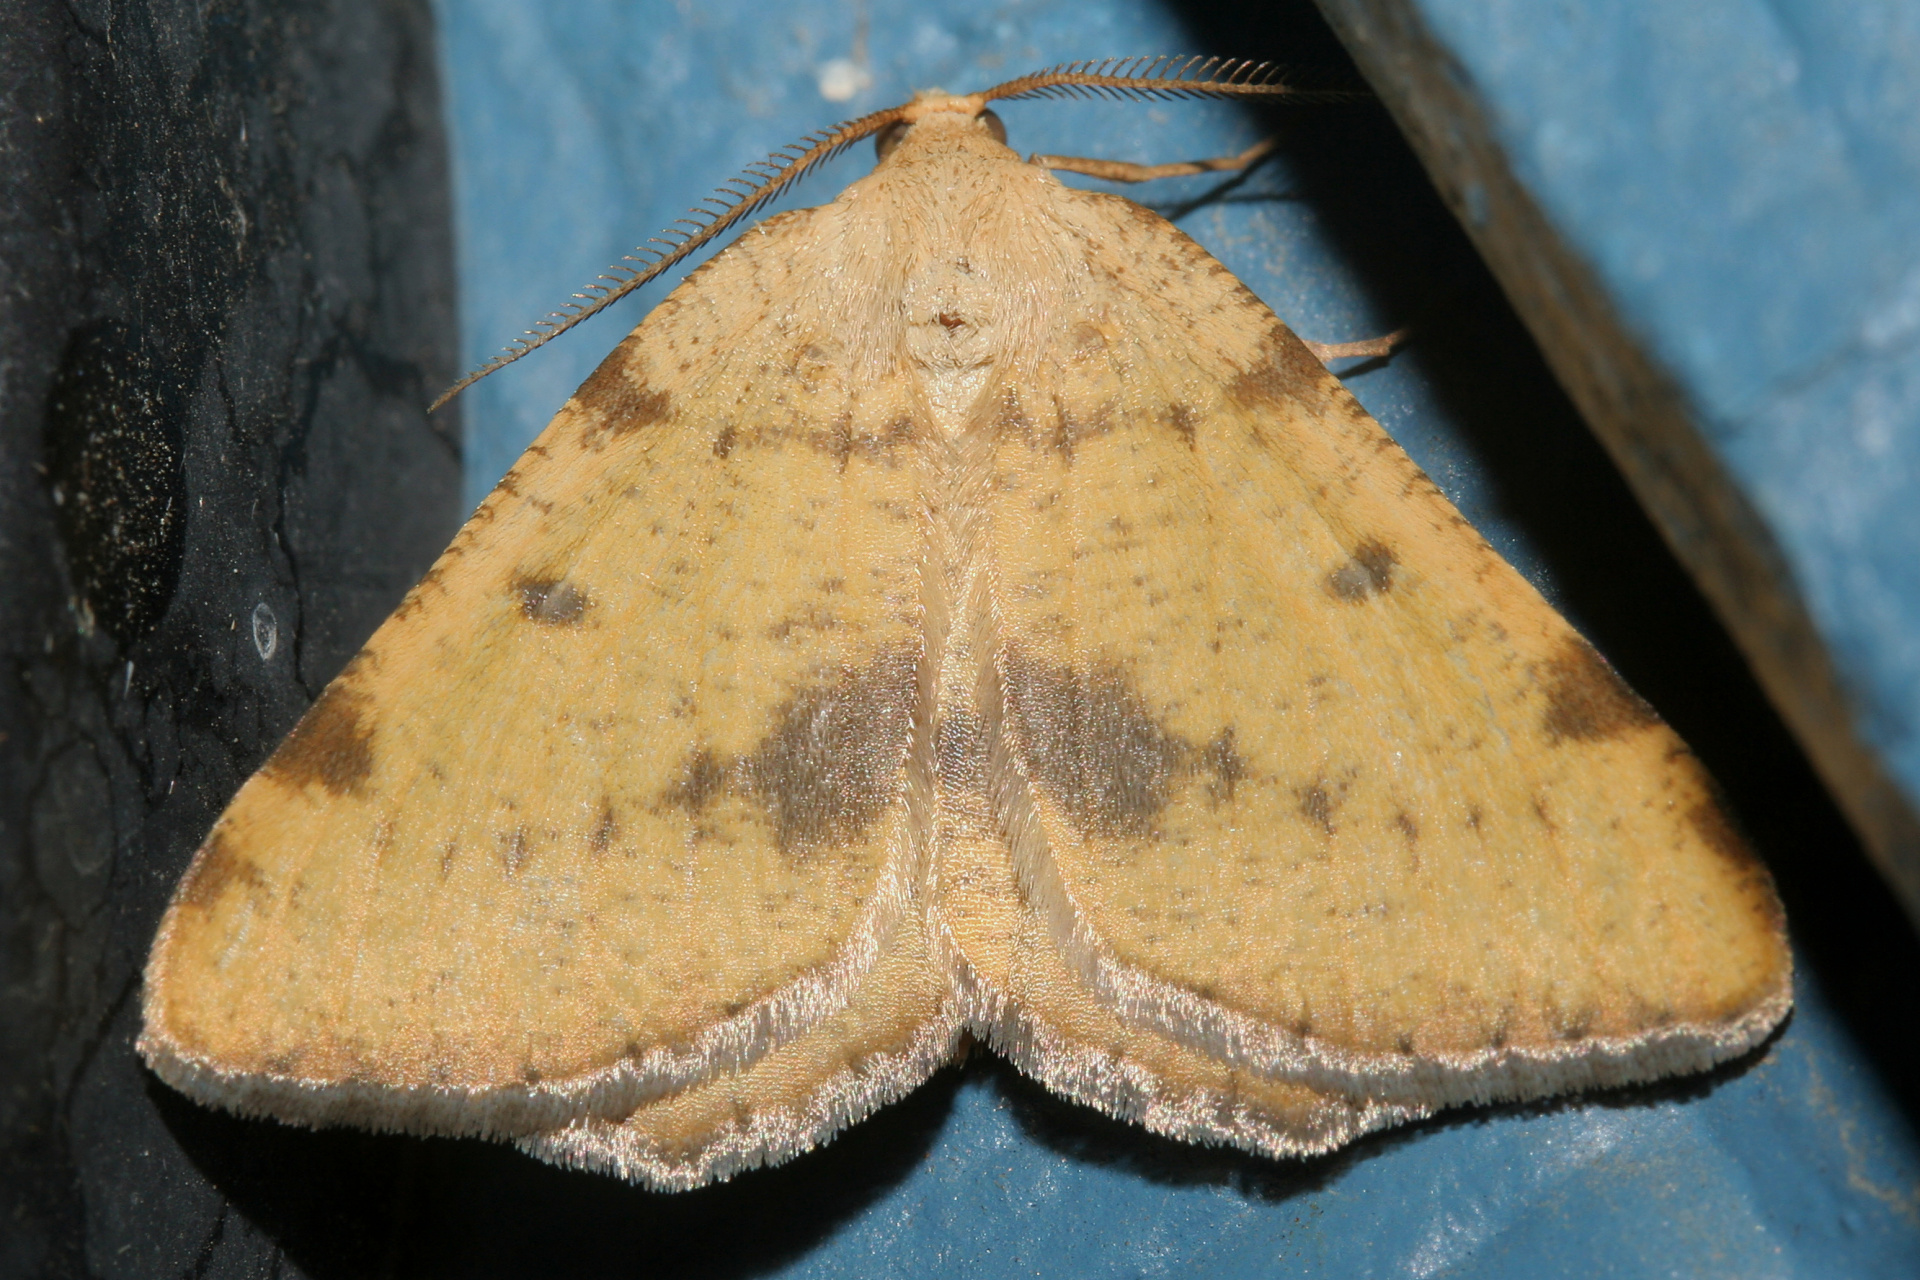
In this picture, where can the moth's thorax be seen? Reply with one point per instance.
(958, 261)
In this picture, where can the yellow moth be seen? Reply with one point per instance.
(962, 609)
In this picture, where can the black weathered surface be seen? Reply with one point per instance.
(225, 299)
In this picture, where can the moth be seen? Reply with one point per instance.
(959, 610)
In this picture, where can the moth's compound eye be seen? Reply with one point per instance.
(888, 138)
(995, 126)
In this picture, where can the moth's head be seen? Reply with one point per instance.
(937, 110)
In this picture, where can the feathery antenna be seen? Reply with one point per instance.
(1155, 77)
(734, 200)
(1162, 77)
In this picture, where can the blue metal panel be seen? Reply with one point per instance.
(582, 126)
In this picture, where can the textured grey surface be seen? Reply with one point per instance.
(225, 296)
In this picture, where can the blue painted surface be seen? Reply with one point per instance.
(1744, 176)
(581, 127)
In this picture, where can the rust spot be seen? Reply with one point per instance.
(1369, 573)
(416, 598)
(1587, 700)
(333, 743)
(215, 867)
(1086, 342)
(618, 401)
(551, 602)
(724, 441)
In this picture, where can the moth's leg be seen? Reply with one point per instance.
(1125, 171)
(1384, 346)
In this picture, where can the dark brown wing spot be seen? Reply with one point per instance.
(1573, 1023)
(1184, 422)
(605, 831)
(1368, 573)
(1587, 700)
(1094, 744)
(1717, 829)
(1222, 766)
(702, 781)
(551, 602)
(1541, 812)
(830, 766)
(1406, 826)
(1011, 421)
(810, 618)
(617, 401)
(215, 867)
(516, 847)
(333, 743)
(1286, 376)
(1070, 429)
(1317, 805)
(1101, 754)
(832, 763)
